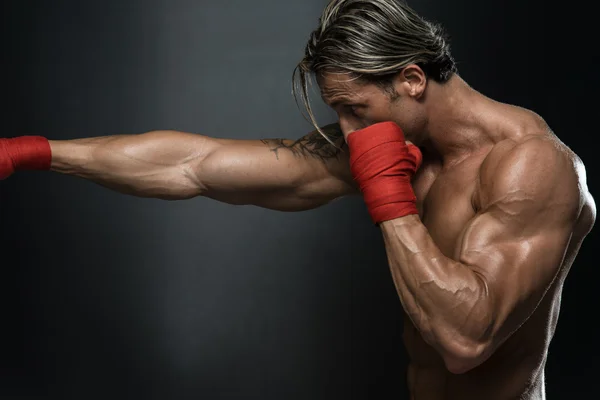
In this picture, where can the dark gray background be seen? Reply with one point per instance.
(105, 295)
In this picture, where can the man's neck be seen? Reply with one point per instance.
(454, 127)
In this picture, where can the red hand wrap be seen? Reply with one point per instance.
(24, 153)
(383, 165)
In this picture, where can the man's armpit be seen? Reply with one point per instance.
(313, 145)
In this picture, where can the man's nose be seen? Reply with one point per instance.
(349, 125)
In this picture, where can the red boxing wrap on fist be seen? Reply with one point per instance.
(24, 153)
(383, 164)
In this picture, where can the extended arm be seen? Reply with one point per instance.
(508, 256)
(276, 173)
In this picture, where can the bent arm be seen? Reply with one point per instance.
(507, 258)
(276, 173)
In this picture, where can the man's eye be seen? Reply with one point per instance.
(353, 109)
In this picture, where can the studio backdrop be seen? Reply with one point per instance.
(109, 296)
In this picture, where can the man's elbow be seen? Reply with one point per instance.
(463, 356)
(461, 365)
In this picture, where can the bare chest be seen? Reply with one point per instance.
(447, 201)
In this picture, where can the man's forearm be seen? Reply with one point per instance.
(154, 164)
(445, 299)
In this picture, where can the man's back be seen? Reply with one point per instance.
(448, 198)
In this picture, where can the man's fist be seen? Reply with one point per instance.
(383, 164)
(24, 153)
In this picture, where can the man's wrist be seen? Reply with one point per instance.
(406, 220)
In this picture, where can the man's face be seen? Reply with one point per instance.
(359, 104)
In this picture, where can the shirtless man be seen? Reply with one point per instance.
(481, 225)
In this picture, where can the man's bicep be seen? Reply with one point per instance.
(517, 266)
(276, 173)
(517, 242)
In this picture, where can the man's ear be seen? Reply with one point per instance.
(411, 81)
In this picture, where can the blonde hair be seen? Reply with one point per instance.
(371, 40)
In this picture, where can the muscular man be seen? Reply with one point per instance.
(481, 222)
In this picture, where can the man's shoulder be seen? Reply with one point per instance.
(532, 153)
(541, 170)
(536, 166)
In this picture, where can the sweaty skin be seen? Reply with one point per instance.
(479, 272)
(503, 209)
(279, 174)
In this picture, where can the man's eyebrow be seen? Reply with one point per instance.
(337, 100)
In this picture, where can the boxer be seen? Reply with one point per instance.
(481, 207)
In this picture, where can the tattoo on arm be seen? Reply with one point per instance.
(312, 145)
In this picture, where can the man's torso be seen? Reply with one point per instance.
(447, 199)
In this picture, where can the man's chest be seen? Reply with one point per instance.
(447, 201)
